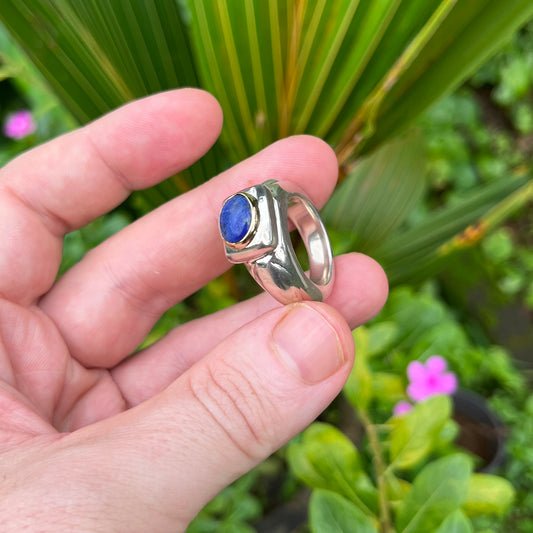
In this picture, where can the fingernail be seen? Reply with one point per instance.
(307, 344)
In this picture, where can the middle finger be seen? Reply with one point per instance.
(106, 304)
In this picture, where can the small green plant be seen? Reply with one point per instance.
(509, 264)
(464, 151)
(517, 413)
(231, 511)
(411, 477)
(407, 473)
(509, 72)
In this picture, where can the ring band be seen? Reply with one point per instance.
(254, 224)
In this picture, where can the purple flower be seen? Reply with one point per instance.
(429, 379)
(19, 124)
(401, 408)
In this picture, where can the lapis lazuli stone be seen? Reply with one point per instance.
(235, 218)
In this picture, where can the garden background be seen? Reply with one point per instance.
(429, 106)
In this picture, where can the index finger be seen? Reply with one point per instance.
(64, 184)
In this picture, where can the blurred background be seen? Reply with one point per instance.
(429, 107)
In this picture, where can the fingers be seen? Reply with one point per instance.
(67, 182)
(107, 303)
(358, 295)
(251, 394)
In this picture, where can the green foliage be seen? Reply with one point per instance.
(373, 210)
(508, 263)
(498, 247)
(324, 458)
(358, 386)
(463, 153)
(488, 494)
(517, 413)
(417, 433)
(456, 523)
(438, 491)
(231, 511)
(380, 193)
(429, 327)
(78, 243)
(414, 313)
(347, 71)
(480, 135)
(25, 89)
(471, 134)
(485, 369)
(331, 513)
(353, 72)
(327, 461)
(411, 461)
(509, 72)
(382, 337)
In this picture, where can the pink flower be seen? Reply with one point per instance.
(429, 379)
(401, 408)
(19, 124)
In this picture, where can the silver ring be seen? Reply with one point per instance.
(254, 224)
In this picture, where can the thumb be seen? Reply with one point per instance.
(245, 399)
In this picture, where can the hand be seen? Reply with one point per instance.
(93, 440)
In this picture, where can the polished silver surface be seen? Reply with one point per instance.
(267, 250)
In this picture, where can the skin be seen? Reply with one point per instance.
(94, 440)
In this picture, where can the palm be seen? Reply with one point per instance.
(45, 389)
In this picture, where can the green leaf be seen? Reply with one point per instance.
(457, 522)
(78, 243)
(488, 494)
(5, 72)
(350, 71)
(467, 36)
(438, 490)
(358, 387)
(280, 68)
(235, 527)
(408, 255)
(446, 339)
(397, 488)
(97, 56)
(414, 314)
(448, 434)
(232, 66)
(353, 67)
(381, 337)
(324, 458)
(379, 194)
(363, 125)
(368, 27)
(361, 339)
(499, 246)
(387, 387)
(415, 434)
(516, 80)
(331, 513)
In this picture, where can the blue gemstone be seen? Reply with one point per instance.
(235, 218)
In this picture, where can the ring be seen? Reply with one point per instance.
(254, 224)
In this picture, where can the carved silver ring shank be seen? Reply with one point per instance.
(254, 224)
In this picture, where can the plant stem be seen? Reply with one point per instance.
(379, 466)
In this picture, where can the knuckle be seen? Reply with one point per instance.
(238, 406)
